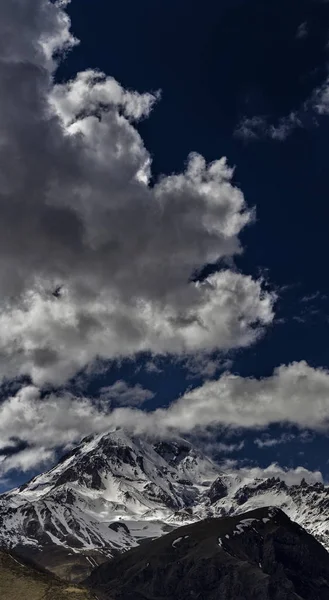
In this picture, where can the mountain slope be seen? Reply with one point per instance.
(115, 490)
(21, 580)
(261, 555)
(107, 495)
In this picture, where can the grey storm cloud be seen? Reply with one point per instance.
(95, 261)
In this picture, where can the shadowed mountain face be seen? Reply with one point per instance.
(20, 579)
(260, 555)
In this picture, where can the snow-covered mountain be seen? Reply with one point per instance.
(115, 490)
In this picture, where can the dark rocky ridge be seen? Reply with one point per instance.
(260, 555)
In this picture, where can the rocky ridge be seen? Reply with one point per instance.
(260, 555)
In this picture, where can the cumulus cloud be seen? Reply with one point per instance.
(27, 459)
(51, 339)
(295, 394)
(96, 258)
(55, 421)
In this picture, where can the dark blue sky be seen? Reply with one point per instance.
(217, 62)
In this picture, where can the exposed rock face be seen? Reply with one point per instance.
(217, 491)
(150, 486)
(260, 555)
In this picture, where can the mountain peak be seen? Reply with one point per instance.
(116, 489)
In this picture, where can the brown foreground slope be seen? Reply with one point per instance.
(22, 581)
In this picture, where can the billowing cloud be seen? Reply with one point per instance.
(27, 459)
(296, 394)
(53, 338)
(96, 258)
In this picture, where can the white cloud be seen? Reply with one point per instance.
(315, 296)
(222, 448)
(50, 422)
(295, 394)
(80, 216)
(27, 459)
(320, 99)
(260, 127)
(121, 394)
(152, 367)
(52, 339)
(206, 366)
(268, 442)
(290, 476)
